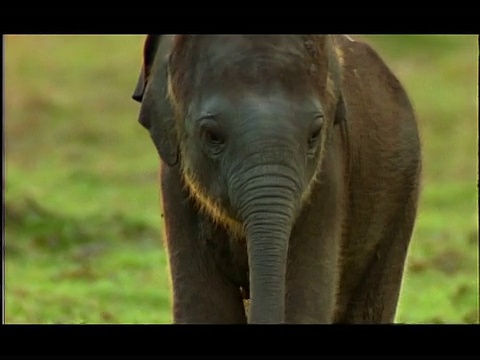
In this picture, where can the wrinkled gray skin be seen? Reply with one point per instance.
(290, 170)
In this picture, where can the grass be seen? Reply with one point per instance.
(83, 231)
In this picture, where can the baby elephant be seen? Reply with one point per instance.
(289, 176)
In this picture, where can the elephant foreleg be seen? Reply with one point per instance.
(312, 269)
(374, 298)
(201, 294)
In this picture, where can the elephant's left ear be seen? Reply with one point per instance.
(149, 51)
(340, 111)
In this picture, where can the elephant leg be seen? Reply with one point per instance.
(313, 255)
(374, 298)
(311, 284)
(201, 294)
(312, 274)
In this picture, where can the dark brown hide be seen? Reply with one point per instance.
(348, 210)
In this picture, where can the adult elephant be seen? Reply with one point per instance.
(290, 174)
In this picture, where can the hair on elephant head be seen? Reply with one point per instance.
(248, 119)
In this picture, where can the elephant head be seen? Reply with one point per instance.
(248, 119)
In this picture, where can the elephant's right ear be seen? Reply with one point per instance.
(149, 52)
(156, 112)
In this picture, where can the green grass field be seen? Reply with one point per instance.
(83, 229)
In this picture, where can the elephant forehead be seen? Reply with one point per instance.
(252, 59)
(256, 108)
(278, 104)
(220, 47)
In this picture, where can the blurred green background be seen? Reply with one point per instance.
(83, 229)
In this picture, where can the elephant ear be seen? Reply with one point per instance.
(340, 111)
(149, 51)
(156, 112)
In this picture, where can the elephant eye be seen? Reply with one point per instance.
(212, 135)
(315, 134)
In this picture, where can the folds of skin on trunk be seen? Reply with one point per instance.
(267, 207)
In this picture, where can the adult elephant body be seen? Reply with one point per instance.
(290, 173)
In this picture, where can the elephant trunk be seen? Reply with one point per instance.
(267, 209)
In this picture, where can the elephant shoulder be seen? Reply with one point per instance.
(380, 118)
(364, 70)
